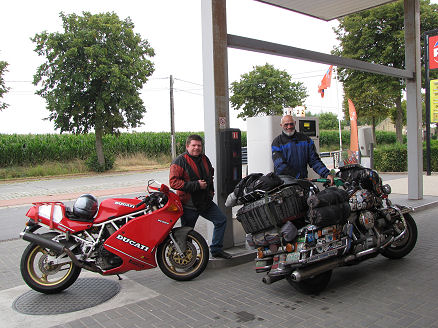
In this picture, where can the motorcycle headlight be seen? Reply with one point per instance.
(386, 189)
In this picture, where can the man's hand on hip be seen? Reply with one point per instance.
(202, 184)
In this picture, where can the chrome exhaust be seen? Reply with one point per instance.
(307, 272)
(271, 279)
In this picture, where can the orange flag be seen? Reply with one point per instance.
(326, 81)
(354, 145)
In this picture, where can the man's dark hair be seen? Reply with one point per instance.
(191, 137)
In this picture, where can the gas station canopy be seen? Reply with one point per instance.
(326, 10)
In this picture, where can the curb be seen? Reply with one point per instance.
(424, 207)
(241, 255)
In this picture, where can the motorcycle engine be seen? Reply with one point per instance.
(107, 260)
(366, 219)
(362, 199)
(367, 236)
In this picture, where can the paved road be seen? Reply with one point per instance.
(378, 293)
(16, 197)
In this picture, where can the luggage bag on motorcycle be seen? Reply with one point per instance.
(275, 208)
(328, 207)
(366, 178)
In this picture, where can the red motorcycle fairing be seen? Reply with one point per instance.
(52, 214)
(135, 242)
(114, 207)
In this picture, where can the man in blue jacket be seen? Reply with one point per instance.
(292, 151)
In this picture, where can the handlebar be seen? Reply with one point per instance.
(141, 203)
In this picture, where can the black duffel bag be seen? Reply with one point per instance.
(328, 207)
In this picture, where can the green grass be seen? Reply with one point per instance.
(125, 163)
(43, 170)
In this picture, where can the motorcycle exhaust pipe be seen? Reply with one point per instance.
(271, 279)
(305, 273)
(46, 243)
(59, 248)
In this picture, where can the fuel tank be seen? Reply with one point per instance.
(115, 207)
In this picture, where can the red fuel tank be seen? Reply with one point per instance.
(115, 207)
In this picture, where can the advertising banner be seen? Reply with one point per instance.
(433, 101)
(433, 52)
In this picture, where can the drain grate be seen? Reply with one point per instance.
(83, 294)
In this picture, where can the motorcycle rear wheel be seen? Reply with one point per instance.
(44, 277)
(185, 268)
(406, 244)
(313, 285)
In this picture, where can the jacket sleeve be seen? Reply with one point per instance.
(315, 161)
(178, 180)
(280, 164)
(211, 169)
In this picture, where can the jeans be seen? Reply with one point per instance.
(212, 214)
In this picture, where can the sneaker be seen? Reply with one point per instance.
(222, 254)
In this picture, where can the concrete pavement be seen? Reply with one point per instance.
(376, 293)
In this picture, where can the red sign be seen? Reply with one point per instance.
(433, 52)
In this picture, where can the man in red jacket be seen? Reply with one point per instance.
(191, 174)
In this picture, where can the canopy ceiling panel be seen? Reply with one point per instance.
(326, 9)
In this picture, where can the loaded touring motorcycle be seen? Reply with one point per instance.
(119, 235)
(302, 234)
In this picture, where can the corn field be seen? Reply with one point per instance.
(38, 148)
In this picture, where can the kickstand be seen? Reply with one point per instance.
(120, 278)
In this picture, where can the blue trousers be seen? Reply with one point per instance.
(212, 214)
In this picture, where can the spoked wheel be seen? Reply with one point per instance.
(406, 244)
(186, 267)
(312, 285)
(43, 276)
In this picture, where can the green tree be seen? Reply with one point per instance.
(3, 87)
(266, 91)
(93, 74)
(329, 121)
(377, 36)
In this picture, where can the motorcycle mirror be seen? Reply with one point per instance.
(386, 189)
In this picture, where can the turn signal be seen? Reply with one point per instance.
(259, 253)
(289, 248)
(172, 208)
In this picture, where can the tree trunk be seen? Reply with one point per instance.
(399, 120)
(99, 146)
(374, 130)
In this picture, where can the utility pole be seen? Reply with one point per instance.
(172, 121)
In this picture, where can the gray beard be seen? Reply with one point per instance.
(289, 134)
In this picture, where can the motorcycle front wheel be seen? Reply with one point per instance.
(312, 285)
(186, 267)
(42, 276)
(406, 244)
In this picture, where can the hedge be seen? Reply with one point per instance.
(330, 138)
(394, 158)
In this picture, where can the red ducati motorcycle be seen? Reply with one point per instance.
(119, 235)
